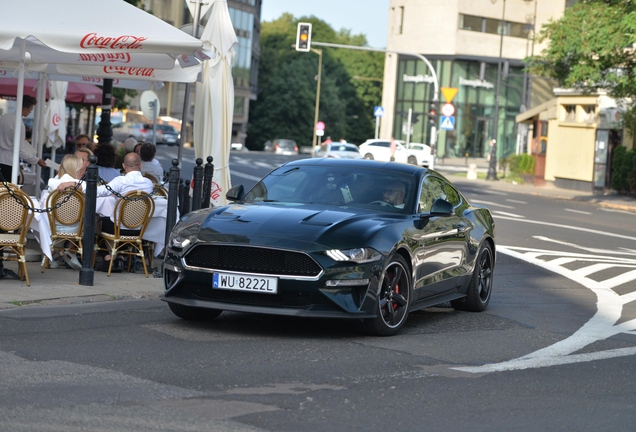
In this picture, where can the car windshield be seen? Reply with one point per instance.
(167, 128)
(345, 147)
(333, 186)
(285, 143)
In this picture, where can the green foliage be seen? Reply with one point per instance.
(591, 48)
(285, 107)
(521, 164)
(624, 170)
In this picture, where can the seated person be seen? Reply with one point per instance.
(106, 162)
(147, 152)
(394, 193)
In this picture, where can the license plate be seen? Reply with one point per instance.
(241, 282)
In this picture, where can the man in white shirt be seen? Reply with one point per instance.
(7, 131)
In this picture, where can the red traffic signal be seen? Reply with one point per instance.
(432, 113)
(303, 37)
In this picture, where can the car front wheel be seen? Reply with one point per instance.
(193, 313)
(392, 302)
(368, 156)
(412, 160)
(480, 286)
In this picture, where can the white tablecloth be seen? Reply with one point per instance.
(155, 232)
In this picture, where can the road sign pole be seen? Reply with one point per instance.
(319, 52)
(408, 127)
(377, 126)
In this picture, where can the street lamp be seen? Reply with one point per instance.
(492, 166)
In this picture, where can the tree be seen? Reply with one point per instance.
(592, 47)
(287, 86)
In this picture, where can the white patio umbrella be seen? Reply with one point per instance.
(55, 117)
(214, 103)
(71, 33)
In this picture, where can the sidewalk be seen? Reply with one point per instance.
(61, 286)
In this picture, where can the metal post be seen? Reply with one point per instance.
(105, 130)
(186, 98)
(409, 119)
(198, 184)
(184, 196)
(173, 198)
(313, 145)
(492, 166)
(207, 182)
(86, 273)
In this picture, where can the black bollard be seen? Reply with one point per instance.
(86, 273)
(207, 182)
(184, 197)
(173, 195)
(198, 185)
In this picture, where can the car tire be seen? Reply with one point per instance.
(368, 156)
(392, 302)
(193, 313)
(412, 160)
(480, 286)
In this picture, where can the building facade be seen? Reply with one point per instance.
(470, 50)
(245, 16)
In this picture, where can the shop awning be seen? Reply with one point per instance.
(529, 115)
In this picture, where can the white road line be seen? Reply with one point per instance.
(577, 211)
(499, 212)
(625, 251)
(617, 211)
(516, 201)
(492, 204)
(605, 233)
(606, 322)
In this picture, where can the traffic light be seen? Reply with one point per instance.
(432, 113)
(303, 37)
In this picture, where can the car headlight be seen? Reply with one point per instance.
(357, 255)
(178, 242)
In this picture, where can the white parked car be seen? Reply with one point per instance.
(416, 154)
(338, 150)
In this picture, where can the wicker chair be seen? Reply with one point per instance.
(128, 215)
(150, 177)
(67, 222)
(14, 225)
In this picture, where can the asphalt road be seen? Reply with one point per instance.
(555, 350)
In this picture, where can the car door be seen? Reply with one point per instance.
(441, 241)
(401, 153)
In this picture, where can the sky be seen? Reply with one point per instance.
(368, 17)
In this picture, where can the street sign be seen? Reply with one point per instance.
(378, 111)
(448, 110)
(449, 93)
(320, 132)
(447, 123)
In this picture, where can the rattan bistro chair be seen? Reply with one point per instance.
(133, 215)
(15, 219)
(66, 222)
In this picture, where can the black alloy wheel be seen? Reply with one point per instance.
(480, 286)
(193, 313)
(393, 299)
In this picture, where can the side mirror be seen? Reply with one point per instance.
(441, 207)
(235, 193)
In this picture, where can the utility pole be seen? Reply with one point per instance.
(492, 166)
(316, 112)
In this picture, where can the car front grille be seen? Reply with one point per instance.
(253, 260)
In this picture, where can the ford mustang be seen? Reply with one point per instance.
(334, 238)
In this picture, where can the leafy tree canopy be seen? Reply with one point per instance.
(592, 47)
(285, 106)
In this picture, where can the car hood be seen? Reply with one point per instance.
(336, 227)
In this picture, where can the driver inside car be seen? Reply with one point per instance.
(394, 193)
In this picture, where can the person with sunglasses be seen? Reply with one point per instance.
(394, 193)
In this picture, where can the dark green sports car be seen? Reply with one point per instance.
(334, 238)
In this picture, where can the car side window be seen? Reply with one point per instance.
(432, 189)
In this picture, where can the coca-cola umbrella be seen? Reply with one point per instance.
(69, 32)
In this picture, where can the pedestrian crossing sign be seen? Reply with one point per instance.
(447, 123)
(378, 111)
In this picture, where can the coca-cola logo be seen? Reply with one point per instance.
(124, 42)
(105, 58)
(129, 71)
(56, 119)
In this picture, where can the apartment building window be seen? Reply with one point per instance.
(493, 26)
(589, 115)
(570, 113)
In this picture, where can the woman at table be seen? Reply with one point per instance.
(70, 166)
(106, 162)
